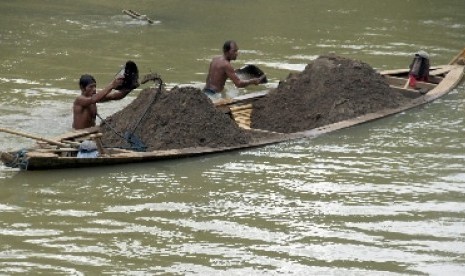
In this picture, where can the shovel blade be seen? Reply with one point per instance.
(135, 142)
(250, 71)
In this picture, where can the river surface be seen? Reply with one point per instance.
(383, 198)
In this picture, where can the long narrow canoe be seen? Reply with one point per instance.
(63, 153)
(138, 16)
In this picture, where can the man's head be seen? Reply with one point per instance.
(230, 50)
(422, 54)
(87, 84)
(85, 80)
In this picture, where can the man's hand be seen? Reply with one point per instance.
(117, 82)
(257, 81)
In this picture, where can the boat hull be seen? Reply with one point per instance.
(444, 79)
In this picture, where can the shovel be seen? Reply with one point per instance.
(250, 71)
(135, 142)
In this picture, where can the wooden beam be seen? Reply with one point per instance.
(27, 135)
(240, 107)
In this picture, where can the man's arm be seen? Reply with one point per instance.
(236, 80)
(116, 95)
(99, 96)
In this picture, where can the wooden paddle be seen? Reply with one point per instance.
(27, 135)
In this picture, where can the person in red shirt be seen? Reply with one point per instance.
(419, 69)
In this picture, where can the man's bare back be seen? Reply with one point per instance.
(221, 69)
(217, 76)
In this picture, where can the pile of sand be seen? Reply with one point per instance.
(179, 118)
(329, 90)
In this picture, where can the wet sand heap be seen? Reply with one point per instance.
(329, 90)
(179, 118)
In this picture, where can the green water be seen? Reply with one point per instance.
(381, 198)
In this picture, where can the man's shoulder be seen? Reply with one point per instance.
(81, 97)
(220, 60)
(81, 100)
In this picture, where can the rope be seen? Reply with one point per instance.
(129, 137)
(120, 135)
(148, 107)
(19, 161)
(110, 126)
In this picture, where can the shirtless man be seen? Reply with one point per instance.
(85, 105)
(221, 69)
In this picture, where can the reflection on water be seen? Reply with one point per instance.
(385, 197)
(310, 206)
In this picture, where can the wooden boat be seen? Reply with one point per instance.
(138, 16)
(61, 152)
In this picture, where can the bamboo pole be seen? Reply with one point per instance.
(27, 135)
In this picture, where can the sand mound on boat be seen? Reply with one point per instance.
(179, 118)
(329, 90)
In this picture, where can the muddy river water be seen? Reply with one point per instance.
(387, 197)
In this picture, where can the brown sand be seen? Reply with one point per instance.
(330, 89)
(179, 118)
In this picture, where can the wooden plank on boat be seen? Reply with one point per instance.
(41, 154)
(240, 107)
(400, 82)
(243, 120)
(407, 70)
(243, 113)
(248, 98)
(59, 150)
(440, 71)
(36, 162)
(77, 133)
(452, 79)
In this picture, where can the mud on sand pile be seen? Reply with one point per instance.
(329, 90)
(179, 118)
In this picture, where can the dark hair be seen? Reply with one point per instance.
(85, 80)
(227, 45)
